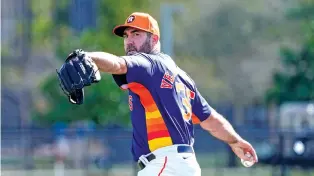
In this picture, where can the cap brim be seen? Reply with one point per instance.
(119, 30)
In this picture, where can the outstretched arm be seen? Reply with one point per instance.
(109, 63)
(220, 128)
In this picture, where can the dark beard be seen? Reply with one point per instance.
(130, 50)
(145, 48)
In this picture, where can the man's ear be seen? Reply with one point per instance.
(155, 39)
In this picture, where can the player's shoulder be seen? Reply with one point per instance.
(186, 78)
(140, 59)
(143, 56)
(154, 56)
(159, 59)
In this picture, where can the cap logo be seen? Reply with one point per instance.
(131, 19)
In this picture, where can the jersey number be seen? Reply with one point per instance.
(184, 94)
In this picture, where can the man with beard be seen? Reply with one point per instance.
(164, 103)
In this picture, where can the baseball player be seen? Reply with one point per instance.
(164, 103)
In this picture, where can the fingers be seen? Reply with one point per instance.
(65, 78)
(249, 149)
(81, 69)
(252, 152)
(240, 152)
(254, 155)
(245, 151)
(74, 75)
(246, 157)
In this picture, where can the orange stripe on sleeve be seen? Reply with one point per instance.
(195, 119)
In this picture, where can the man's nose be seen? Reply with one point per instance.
(129, 41)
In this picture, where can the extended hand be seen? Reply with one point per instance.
(242, 147)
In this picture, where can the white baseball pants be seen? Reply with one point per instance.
(169, 162)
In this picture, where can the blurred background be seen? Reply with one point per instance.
(253, 60)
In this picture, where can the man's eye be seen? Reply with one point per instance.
(125, 36)
(137, 34)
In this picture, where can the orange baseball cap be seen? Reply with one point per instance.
(138, 20)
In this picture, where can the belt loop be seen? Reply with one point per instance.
(143, 160)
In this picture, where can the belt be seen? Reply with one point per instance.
(180, 149)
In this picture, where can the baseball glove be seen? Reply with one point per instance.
(77, 72)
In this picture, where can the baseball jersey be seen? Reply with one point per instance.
(164, 103)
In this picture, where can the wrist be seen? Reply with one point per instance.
(232, 142)
(235, 140)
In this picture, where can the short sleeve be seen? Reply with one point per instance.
(200, 108)
(139, 68)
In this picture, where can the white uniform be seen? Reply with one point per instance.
(169, 162)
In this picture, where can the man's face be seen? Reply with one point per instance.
(136, 41)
